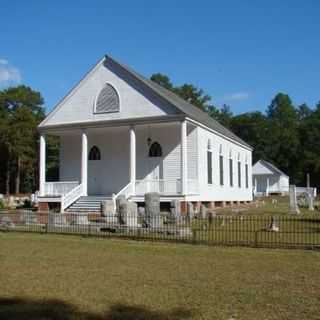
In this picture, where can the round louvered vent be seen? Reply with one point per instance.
(107, 100)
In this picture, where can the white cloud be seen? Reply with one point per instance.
(8, 73)
(237, 96)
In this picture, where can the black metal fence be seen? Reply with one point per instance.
(287, 231)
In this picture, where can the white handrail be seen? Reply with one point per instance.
(71, 197)
(126, 191)
(59, 188)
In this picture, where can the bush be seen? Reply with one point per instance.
(1, 204)
(26, 204)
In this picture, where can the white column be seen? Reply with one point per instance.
(84, 162)
(42, 163)
(132, 165)
(267, 191)
(184, 165)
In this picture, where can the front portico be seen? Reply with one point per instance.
(128, 160)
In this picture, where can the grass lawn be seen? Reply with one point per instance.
(68, 277)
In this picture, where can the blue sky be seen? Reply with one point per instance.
(240, 52)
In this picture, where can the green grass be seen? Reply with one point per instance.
(68, 277)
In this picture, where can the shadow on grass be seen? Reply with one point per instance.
(23, 309)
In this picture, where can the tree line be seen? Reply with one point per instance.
(285, 134)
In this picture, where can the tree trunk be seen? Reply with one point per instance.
(8, 177)
(17, 189)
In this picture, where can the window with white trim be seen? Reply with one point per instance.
(231, 169)
(221, 166)
(209, 162)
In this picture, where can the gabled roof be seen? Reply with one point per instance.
(271, 167)
(185, 107)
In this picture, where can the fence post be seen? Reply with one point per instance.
(256, 238)
(194, 236)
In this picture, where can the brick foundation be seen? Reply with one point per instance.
(43, 206)
(183, 207)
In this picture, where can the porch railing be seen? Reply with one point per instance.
(168, 187)
(60, 188)
(71, 197)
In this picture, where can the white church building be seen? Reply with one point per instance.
(122, 134)
(268, 179)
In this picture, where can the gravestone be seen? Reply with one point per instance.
(310, 199)
(29, 217)
(128, 213)
(293, 204)
(57, 219)
(175, 208)
(120, 199)
(203, 211)
(274, 225)
(80, 219)
(108, 208)
(152, 206)
(132, 215)
(190, 210)
(5, 222)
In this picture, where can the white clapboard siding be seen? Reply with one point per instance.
(135, 100)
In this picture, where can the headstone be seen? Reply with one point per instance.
(203, 211)
(81, 219)
(310, 199)
(210, 216)
(293, 205)
(11, 202)
(57, 219)
(152, 206)
(5, 222)
(128, 213)
(190, 210)
(141, 212)
(175, 208)
(274, 225)
(108, 208)
(29, 217)
(120, 199)
(303, 200)
(132, 215)
(185, 232)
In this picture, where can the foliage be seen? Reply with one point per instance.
(1, 204)
(21, 109)
(187, 91)
(285, 135)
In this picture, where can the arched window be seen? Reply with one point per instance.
(107, 100)
(94, 153)
(155, 150)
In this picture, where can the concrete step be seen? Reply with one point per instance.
(88, 204)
